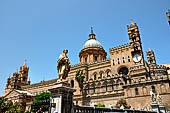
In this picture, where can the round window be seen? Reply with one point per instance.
(123, 70)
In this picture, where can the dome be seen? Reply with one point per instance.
(92, 43)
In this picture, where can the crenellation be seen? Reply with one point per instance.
(120, 48)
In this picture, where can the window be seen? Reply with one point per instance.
(123, 60)
(123, 70)
(108, 73)
(101, 74)
(24, 78)
(106, 87)
(113, 62)
(112, 87)
(133, 38)
(128, 59)
(95, 59)
(94, 76)
(136, 91)
(94, 90)
(118, 61)
(135, 48)
(151, 61)
(72, 83)
(153, 89)
(88, 91)
(85, 60)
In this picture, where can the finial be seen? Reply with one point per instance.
(91, 35)
(132, 22)
(91, 30)
(17, 70)
(149, 49)
(43, 78)
(25, 63)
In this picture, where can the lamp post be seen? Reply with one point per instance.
(168, 16)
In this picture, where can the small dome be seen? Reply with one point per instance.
(92, 43)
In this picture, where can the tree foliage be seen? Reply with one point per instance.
(79, 75)
(41, 102)
(122, 102)
(6, 106)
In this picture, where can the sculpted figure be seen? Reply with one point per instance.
(63, 65)
(153, 96)
(159, 98)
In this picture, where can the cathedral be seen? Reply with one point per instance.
(126, 74)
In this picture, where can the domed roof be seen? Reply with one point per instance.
(92, 43)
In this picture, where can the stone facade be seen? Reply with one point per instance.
(126, 74)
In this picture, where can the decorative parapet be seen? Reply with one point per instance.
(120, 48)
(137, 69)
(158, 67)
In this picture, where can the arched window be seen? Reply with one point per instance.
(153, 89)
(113, 62)
(118, 61)
(128, 59)
(72, 83)
(133, 38)
(108, 73)
(123, 59)
(24, 78)
(135, 48)
(95, 59)
(101, 75)
(94, 90)
(88, 91)
(85, 60)
(112, 87)
(106, 87)
(151, 61)
(136, 91)
(94, 76)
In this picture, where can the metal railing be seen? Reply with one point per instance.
(84, 109)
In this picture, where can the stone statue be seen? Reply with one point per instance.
(159, 98)
(153, 96)
(63, 65)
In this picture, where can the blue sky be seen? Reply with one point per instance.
(39, 30)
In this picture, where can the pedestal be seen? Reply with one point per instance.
(62, 98)
(162, 108)
(155, 107)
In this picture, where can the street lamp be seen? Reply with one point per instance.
(168, 16)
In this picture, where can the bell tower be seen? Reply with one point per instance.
(151, 57)
(23, 74)
(135, 43)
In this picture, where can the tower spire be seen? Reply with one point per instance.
(132, 22)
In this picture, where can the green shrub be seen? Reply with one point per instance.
(100, 105)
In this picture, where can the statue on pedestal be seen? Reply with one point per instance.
(159, 98)
(153, 96)
(63, 65)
